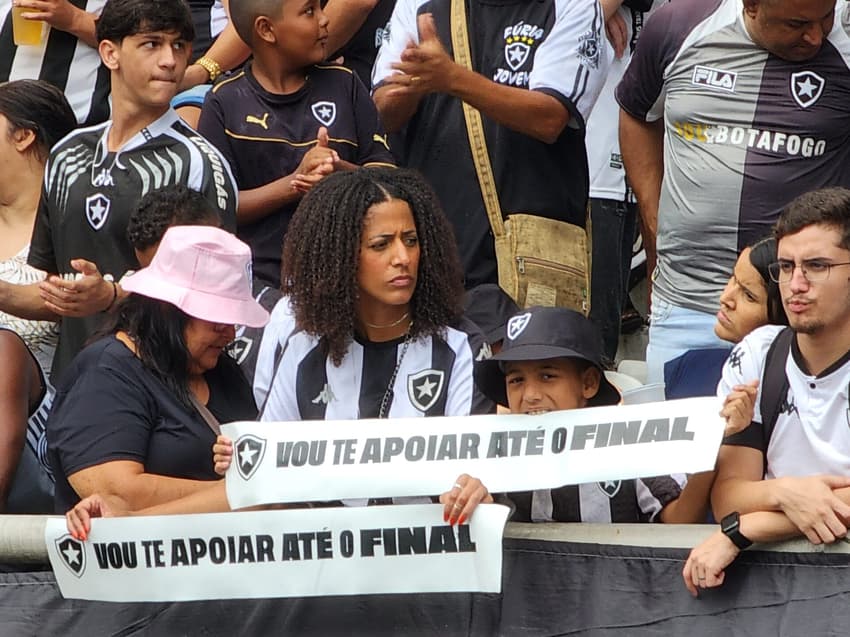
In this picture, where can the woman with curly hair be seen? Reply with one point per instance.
(372, 327)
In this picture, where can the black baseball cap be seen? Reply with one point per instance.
(541, 333)
(489, 307)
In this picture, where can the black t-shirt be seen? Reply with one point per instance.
(89, 193)
(264, 136)
(111, 407)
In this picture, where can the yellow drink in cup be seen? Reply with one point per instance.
(25, 32)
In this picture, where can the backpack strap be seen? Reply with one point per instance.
(774, 384)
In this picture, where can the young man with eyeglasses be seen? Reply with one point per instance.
(788, 473)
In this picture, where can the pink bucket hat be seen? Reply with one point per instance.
(206, 272)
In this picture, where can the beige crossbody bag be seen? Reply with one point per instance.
(541, 261)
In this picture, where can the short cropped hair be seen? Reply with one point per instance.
(828, 206)
(244, 13)
(174, 205)
(40, 107)
(123, 18)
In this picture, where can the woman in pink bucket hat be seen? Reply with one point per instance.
(137, 412)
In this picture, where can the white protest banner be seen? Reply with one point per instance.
(295, 553)
(330, 460)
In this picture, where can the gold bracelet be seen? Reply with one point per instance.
(212, 67)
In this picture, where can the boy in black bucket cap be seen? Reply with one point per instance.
(551, 360)
(554, 342)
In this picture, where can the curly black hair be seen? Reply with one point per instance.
(322, 246)
(158, 210)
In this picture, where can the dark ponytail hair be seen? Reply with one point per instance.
(762, 254)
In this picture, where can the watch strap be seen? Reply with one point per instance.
(212, 67)
(730, 526)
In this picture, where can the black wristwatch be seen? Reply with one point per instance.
(731, 528)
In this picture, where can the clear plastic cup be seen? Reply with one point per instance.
(26, 32)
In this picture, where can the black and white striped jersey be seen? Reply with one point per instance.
(617, 501)
(62, 60)
(89, 193)
(434, 377)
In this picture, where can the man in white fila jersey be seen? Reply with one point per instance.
(729, 110)
(95, 176)
(788, 473)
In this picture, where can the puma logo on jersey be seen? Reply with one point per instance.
(381, 140)
(325, 396)
(260, 121)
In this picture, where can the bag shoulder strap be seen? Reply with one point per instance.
(474, 126)
(774, 383)
(206, 414)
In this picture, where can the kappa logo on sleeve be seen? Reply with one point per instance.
(735, 357)
(517, 324)
(424, 388)
(485, 352)
(806, 87)
(325, 112)
(72, 553)
(97, 210)
(249, 453)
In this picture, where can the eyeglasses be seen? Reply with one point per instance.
(813, 269)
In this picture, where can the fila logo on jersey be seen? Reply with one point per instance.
(97, 210)
(517, 324)
(714, 78)
(325, 112)
(806, 87)
(249, 454)
(425, 387)
(73, 554)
